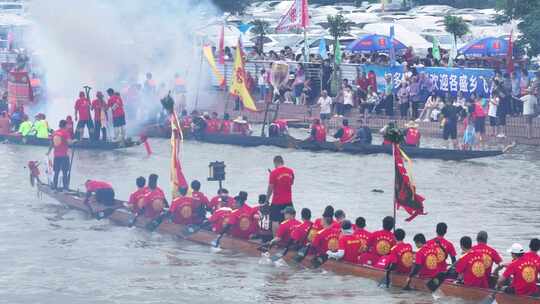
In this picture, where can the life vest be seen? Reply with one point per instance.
(185, 123)
(479, 110)
(413, 137)
(282, 124)
(212, 125)
(348, 135)
(25, 128)
(42, 129)
(320, 133)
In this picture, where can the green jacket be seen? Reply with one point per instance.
(42, 129)
(25, 128)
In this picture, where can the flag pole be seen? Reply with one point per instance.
(394, 146)
(306, 53)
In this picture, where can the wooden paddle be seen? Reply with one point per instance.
(215, 243)
(283, 253)
(133, 219)
(489, 299)
(302, 252)
(155, 223)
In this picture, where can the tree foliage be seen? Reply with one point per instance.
(232, 6)
(526, 13)
(456, 26)
(260, 28)
(458, 3)
(338, 27)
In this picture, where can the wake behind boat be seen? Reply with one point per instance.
(351, 148)
(121, 216)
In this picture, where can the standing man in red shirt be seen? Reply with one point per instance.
(61, 139)
(100, 116)
(279, 190)
(471, 265)
(426, 264)
(82, 115)
(119, 116)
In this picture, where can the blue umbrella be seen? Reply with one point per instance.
(371, 43)
(486, 47)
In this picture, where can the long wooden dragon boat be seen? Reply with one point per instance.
(82, 144)
(122, 216)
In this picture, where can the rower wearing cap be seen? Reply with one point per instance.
(490, 255)
(412, 134)
(444, 248)
(380, 242)
(318, 131)
(348, 244)
(426, 264)
(470, 266)
(303, 233)
(283, 233)
(345, 134)
(522, 271)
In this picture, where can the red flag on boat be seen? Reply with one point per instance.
(177, 176)
(221, 51)
(296, 17)
(405, 195)
(509, 55)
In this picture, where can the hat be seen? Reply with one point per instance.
(411, 124)
(516, 249)
(288, 210)
(240, 120)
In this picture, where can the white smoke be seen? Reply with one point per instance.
(109, 43)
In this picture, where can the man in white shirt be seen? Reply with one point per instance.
(325, 102)
(529, 103)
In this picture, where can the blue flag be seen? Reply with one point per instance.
(392, 49)
(322, 48)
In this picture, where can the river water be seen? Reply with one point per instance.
(50, 254)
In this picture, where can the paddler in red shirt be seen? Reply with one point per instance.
(185, 210)
(339, 216)
(380, 243)
(102, 191)
(279, 190)
(185, 122)
(241, 126)
(119, 117)
(221, 200)
(426, 264)
(284, 231)
(362, 234)
(490, 255)
(412, 134)
(82, 115)
(401, 257)
(444, 248)
(136, 199)
(303, 233)
(523, 272)
(328, 212)
(100, 116)
(61, 139)
(219, 219)
(324, 242)
(470, 266)
(318, 131)
(226, 125)
(198, 197)
(212, 123)
(242, 220)
(349, 244)
(154, 200)
(345, 134)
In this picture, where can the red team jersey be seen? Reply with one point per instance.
(326, 239)
(441, 256)
(62, 136)
(185, 210)
(219, 219)
(490, 256)
(524, 273)
(82, 106)
(93, 185)
(350, 244)
(285, 229)
(299, 233)
(402, 255)
(136, 198)
(427, 258)
(243, 222)
(282, 178)
(471, 266)
(153, 198)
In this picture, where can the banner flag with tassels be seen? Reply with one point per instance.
(405, 191)
(207, 51)
(238, 86)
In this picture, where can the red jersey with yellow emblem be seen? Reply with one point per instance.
(200, 198)
(426, 257)
(154, 201)
(212, 126)
(380, 242)
(447, 246)
(285, 229)
(242, 221)
(524, 273)
(219, 219)
(185, 211)
(363, 235)
(299, 233)
(318, 224)
(471, 265)
(401, 255)
(218, 202)
(326, 239)
(350, 244)
(490, 256)
(136, 199)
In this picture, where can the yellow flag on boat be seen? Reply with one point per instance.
(238, 86)
(207, 51)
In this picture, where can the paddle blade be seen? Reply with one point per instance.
(436, 282)
(133, 220)
(215, 243)
(301, 254)
(489, 299)
(190, 229)
(104, 213)
(277, 257)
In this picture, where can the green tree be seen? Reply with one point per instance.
(232, 6)
(526, 13)
(260, 28)
(456, 26)
(338, 27)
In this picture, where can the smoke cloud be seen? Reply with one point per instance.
(110, 43)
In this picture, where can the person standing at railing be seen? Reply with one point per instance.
(262, 84)
(325, 102)
(403, 98)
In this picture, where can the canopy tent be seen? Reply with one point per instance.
(485, 47)
(371, 43)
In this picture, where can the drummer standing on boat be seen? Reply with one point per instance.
(279, 190)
